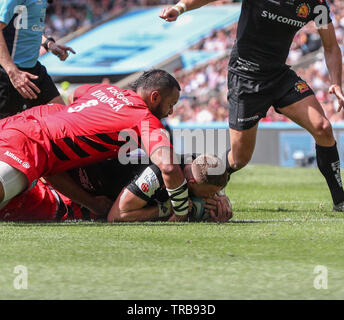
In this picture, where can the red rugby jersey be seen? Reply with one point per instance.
(89, 130)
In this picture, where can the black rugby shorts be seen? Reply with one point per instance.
(249, 99)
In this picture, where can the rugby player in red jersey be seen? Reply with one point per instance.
(43, 203)
(39, 203)
(103, 181)
(103, 118)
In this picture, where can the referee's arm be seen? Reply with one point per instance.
(59, 50)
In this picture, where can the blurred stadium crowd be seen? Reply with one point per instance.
(66, 16)
(205, 87)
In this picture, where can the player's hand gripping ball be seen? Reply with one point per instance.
(197, 212)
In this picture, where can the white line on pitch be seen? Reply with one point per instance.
(286, 201)
(287, 220)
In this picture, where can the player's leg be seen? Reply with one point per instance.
(242, 146)
(309, 114)
(40, 203)
(12, 182)
(248, 101)
(2, 196)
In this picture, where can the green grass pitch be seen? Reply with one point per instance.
(282, 230)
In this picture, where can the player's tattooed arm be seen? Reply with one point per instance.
(333, 57)
(63, 183)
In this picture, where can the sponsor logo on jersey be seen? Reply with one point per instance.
(112, 101)
(148, 182)
(25, 165)
(303, 10)
(301, 86)
(281, 19)
(145, 187)
(15, 158)
(119, 96)
(37, 28)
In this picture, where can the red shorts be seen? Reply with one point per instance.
(23, 152)
(43, 203)
(40, 203)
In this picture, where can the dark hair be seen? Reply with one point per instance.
(155, 79)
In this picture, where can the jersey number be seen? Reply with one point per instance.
(81, 107)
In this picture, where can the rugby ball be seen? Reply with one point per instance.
(197, 212)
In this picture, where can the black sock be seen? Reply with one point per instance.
(329, 165)
(229, 169)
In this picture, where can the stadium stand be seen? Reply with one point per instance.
(118, 48)
(66, 16)
(209, 80)
(204, 84)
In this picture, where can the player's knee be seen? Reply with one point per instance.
(323, 130)
(13, 182)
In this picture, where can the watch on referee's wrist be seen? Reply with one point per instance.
(46, 42)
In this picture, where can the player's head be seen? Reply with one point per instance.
(206, 175)
(159, 90)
